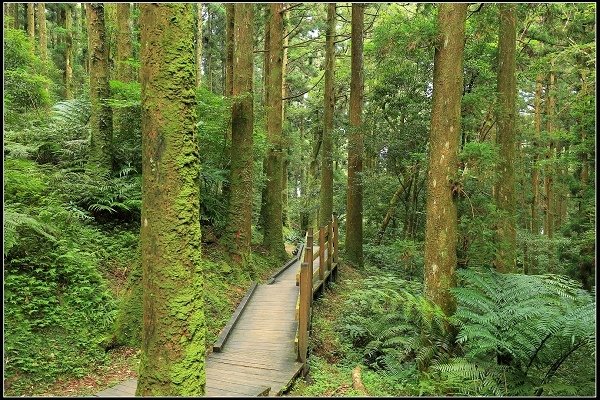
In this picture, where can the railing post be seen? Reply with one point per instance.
(322, 253)
(304, 310)
(329, 246)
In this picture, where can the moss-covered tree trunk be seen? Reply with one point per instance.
(239, 230)
(69, 51)
(101, 113)
(42, 35)
(273, 222)
(506, 140)
(173, 338)
(535, 174)
(125, 71)
(354, 207)
(326, 207)
(441, 214)
(198, 44)
(31, 22)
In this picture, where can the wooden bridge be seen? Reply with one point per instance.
(264, 346)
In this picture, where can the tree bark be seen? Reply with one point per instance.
(69, 52)
(354, 207)
(125, 71)
(506, 140)
(441, 214)
(548, 170)
(239, 229)
(229, 37)
(326, 207)
(286, 150)
(199, 45)
(174, 330)
(101, 113)
(43, 38)
(31, 21)
(535, 176)
(273, 223)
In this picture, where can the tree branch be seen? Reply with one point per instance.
(302, 94)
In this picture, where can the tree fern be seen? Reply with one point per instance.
(532, 322)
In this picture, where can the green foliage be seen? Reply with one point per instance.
(516, 331)
(393, 326)
(24, 87)
(403, 257)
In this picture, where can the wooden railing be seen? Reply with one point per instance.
(312, 281)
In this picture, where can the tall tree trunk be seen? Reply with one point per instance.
(548, 170)
(326, 207)
(229, 38)
(31, 22)
(535, 175)
(239, 229)
(101, 113)
(69, 51)
(15, 15)
(125, 71)
(286, 149)
(273, 224)
(267, 20)
(174, 331)
(209, 51)
(199, 45)
(354, 207)
(43, 38)
(506, 140)
(229, 61)
(441, 214)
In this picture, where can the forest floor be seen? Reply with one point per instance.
(122, 365)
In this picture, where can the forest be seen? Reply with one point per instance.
(160, 159)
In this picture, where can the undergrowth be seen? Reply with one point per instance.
(512, 334)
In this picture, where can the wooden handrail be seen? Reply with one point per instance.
(304, 310)
(327, 255)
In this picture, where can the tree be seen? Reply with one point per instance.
(441, 215)
(124, 69)
(535, 175)
(173, 336)
(354, 207)
(31, 22)
(68, 10)
(273, 221)
(548, 169)
(43, 38)
(199, 44)
(506, 139)
(101, 113)
(326, 207)
(239, 229)
(229, 37)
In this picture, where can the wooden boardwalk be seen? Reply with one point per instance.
(258, 353)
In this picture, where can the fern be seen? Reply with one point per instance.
(14, 221)
(519, 328)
